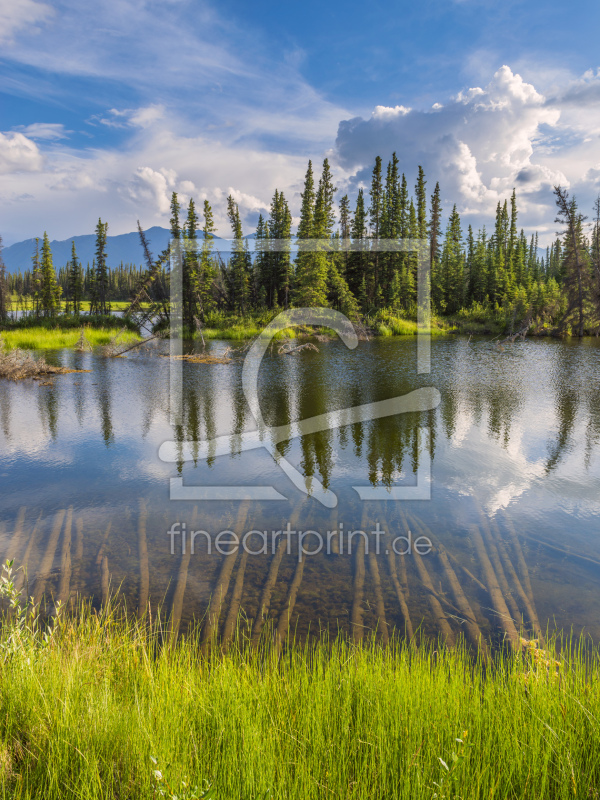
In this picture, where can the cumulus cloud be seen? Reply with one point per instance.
(479, 144)
(19, 154)
(24, 14)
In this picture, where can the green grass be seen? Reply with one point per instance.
(116, 305)
(41, 338)
(380, 323)
(82, 715)
(387, 323)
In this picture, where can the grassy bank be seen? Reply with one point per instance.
(43, 338)
(380, 323)
(26, 304)
(82, 713)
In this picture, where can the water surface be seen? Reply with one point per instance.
(513, 446)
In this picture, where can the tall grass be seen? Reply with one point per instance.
(82, 714)
(56, 338)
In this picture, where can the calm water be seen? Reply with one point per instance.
(512, 448)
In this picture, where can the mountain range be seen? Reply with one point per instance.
(126, 248)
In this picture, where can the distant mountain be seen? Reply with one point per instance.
(126, 248)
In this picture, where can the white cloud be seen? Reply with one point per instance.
(479, 145)
(16, 15)
(47, 131)
(19, 154)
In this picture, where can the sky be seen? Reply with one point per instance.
(108, 107)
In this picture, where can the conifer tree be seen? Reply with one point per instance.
(576, 267)
(239, 263)
(453, 265)
(74, 281)
(49, 288)
(36, 278)
(101, 268)
(375, 216)
(4, 291)
(311, 265)
(357, 269)
(206, 269)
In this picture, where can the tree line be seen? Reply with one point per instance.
(337, 262)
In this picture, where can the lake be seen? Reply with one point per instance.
(504, 528)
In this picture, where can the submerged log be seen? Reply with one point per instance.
(105, 581)
(21, 574)
(496, 595)
(269, 585)
(64, 588)
(358, 612)
(17, 537)
(473, 629)
(432, 596)
(497, 563)
(144, 594)
(181, 583)
(265, 598)
(220, 592)
(48, 559)
(400, 592)
(379, 604)
(236, 600)
(286, 614)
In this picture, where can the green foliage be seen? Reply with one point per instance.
(88, 700)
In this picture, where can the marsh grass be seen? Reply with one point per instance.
(387, 323)
(43, 338)
(83, 715)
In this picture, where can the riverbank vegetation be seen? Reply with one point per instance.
(44, 338)
(343, 256)
(97, 705)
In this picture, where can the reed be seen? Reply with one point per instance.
(82, 717)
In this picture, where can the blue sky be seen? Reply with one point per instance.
(106, 108)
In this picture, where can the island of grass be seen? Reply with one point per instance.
(64, 331)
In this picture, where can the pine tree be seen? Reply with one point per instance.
(191, 304)
(357, 268)
(101, 268)
(375, 217)
(453, 265)
(276, 273)
(36, 278)
(575, 265)
(311, 267)
(74, 281)
(345, 220)
(206, 267)
(49, 288)
(4, 290)
(239, 263)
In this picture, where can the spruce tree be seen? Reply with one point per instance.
(49, 289)
(101, 268)
(36, 278)
(206, 268)
(577, 274)
(74, 281)
(239, 263)
(375, 217)
(311, 265)
(4, 290)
